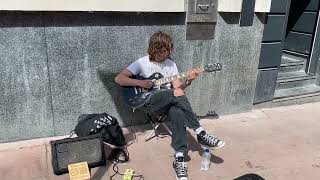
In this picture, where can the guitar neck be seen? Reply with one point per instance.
(166, 80)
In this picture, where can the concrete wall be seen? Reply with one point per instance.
(58, 65)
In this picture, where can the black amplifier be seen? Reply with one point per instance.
(74, 150)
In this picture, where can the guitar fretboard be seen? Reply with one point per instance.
(162, 81)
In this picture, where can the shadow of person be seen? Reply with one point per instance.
(210, 115)
(250, 176)
(127, 116)
(230, 18)
(195, 146)
(99, 172)
(113, 155)
(126, 113)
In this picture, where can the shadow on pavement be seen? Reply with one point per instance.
(250, 176)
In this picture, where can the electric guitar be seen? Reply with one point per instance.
(136, 97)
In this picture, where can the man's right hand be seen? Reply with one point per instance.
(147, 84)
(124, 79)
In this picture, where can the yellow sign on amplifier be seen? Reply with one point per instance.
(79, 171)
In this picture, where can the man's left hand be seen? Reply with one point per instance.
(193, 74)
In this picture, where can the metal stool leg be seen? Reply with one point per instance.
(155, 128)
(152, 132)
(166, 127)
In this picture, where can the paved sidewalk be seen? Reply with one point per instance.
(278, 144)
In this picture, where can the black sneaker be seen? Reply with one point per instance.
(209, 141)
(181, 168)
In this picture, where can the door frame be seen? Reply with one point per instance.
(312, 64)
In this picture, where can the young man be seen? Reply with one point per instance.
(171, 100)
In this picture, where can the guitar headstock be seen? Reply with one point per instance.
(213, 67)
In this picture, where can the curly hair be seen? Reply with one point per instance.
(159, 43)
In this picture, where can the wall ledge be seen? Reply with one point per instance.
(122, 5)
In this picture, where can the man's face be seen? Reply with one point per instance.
(164, 55)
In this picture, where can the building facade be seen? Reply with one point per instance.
(58, 60)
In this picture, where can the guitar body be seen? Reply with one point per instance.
(136, 96)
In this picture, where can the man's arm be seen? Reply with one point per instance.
(191, 76)
(124, 78)
(178, 84)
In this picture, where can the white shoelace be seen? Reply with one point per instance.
(211, 140)
(182, 169)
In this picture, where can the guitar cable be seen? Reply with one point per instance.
(125, 156)
(120, 150)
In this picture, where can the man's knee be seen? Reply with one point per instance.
(178, 92)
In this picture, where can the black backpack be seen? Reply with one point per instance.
(102, 124)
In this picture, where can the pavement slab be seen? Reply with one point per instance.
(278, 144)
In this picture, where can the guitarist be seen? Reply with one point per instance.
(171, 100)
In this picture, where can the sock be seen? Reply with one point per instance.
(199, 130)
(179, 154)
(179, 157)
